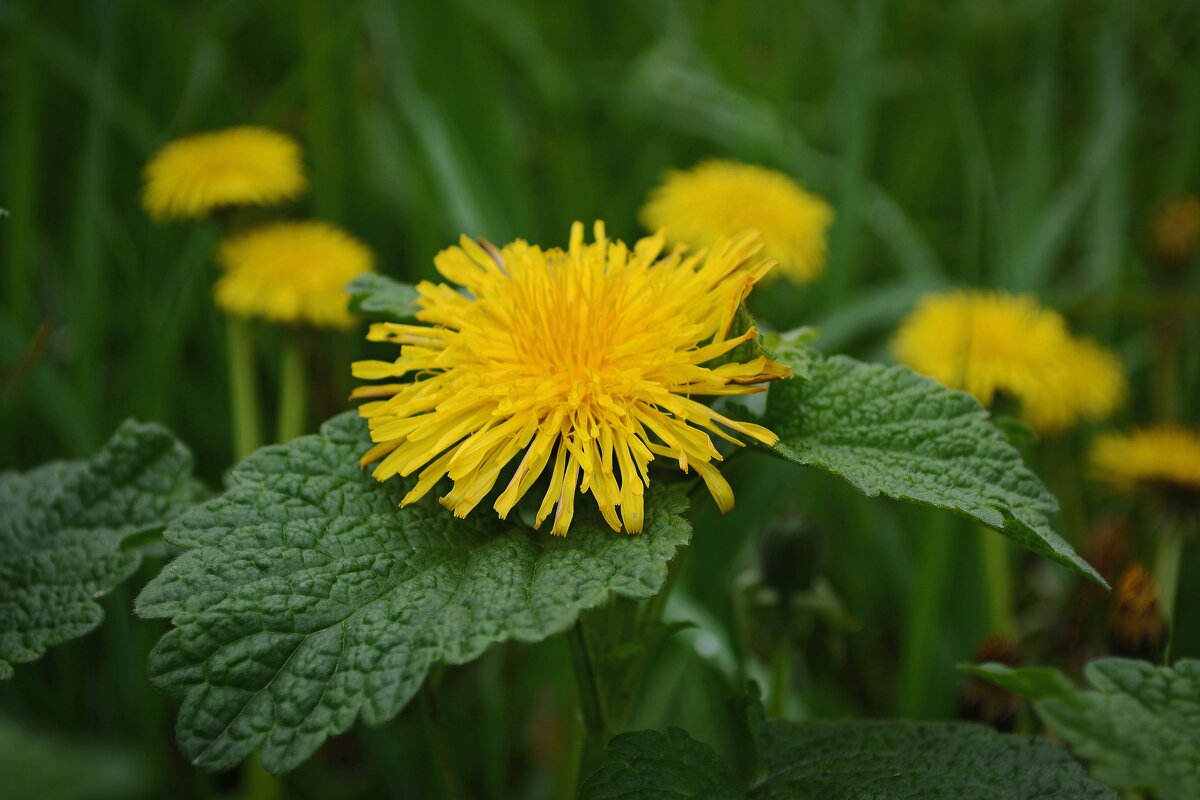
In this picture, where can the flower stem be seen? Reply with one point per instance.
(293, 391)
(243, 387)
(998, 580)
(436, 733)
(1167, 557)
(258, 784)
(591, 706)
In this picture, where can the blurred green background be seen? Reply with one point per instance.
(1020, 144)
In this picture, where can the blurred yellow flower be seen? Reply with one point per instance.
(291, 272)
(591, 356)
(192, 176)
(992, 343)
(1165, 457)
(721, 199)
(1087, 382)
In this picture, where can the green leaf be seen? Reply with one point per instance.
(846, 761)
(380, 296)
(62, 526)
(889, 431)
(1138, 725)
(309, 597)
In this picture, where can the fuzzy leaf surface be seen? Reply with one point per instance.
(61, 530)
(846, 761)
(378, 295)
(1138, 725)
(308, 597)
(889, 431)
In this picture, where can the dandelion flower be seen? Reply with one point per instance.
(291, 272)
(587, 361)
(720, 199)
(1164, 458)
(991, 343)
(192, 176)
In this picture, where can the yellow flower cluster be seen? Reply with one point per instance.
(721, 199)
(585, 360)
(291, 272)
(991, 343)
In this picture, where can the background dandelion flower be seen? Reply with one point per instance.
(291, 272)
(720, 199)
(192, 176)
(586, 360)
(1165, 457)
(991, 343)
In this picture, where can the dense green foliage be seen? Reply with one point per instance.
(1137, 725)
(1019, 145)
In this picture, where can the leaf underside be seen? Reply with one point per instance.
(308, 598)
(846, 761)
(61, 529)
(889, 431)
(1138, 725)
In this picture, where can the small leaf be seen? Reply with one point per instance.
(847, 761)
(889, 431)
(310, 598)
(62, 526)
(791, 348)
(380, 296)
(1138, 725)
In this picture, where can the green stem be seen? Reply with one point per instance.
(293, 390)
(436, 733)
(998, 581)
(1167, 557)
(591, 706)
(927, 601)
(243, 387)
(258, 784)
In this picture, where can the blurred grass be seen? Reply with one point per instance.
(1019, 145)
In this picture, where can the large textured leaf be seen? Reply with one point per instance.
(846, 761)
(380, 296)
(890, 431)
(1138, 725)
(61, 529)
(309, 598)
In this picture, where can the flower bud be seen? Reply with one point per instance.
(1136, 627)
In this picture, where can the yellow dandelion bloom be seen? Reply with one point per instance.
(1165, 457)
(720, 199)
(586, 360)
(192, 176)
(291, 272)
(991, 343)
